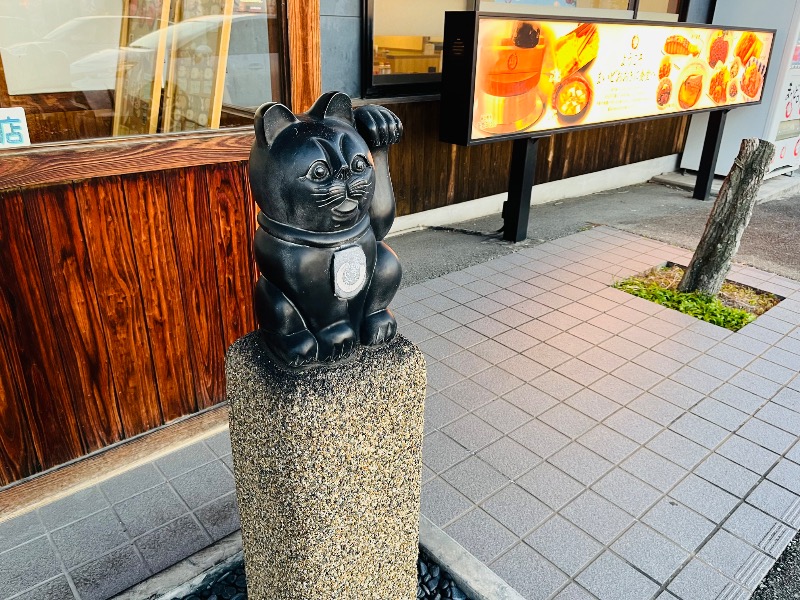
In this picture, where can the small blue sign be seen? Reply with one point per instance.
(13, 128)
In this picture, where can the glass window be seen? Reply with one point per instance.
(98, 68)
(406, 44)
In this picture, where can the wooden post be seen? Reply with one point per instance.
(304, 53)
(728, 219)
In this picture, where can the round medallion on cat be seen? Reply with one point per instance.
(321, 181)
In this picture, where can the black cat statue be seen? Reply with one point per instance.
(321, 180)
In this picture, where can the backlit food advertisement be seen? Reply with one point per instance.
(543, 75)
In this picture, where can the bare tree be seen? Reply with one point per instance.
(728, 219)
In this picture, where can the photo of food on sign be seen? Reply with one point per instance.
(537, 75)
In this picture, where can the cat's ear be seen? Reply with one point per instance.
(333, 105)
(270, 120)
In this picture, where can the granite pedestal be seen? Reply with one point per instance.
(327, 469)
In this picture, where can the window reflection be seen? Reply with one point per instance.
(94, 68)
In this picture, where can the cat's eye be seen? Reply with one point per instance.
(359, 164)
(319, 171)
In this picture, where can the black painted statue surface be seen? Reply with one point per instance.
(321, 180)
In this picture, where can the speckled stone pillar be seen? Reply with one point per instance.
(328, 473)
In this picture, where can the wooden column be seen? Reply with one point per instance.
(305, 71)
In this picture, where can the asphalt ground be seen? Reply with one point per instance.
(771, 242)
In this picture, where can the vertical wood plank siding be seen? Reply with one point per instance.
(120, 294)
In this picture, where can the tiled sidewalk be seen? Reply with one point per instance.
(588, 444)
(581, 442)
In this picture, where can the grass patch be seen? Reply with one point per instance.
(736, 306)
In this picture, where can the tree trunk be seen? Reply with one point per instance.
(728, 219)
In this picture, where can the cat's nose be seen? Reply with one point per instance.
(344, 172)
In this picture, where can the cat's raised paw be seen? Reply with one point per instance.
(378, 328)
(379, 126)
(336, 341)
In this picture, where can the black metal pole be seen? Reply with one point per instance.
(708, 159)
(520, 181)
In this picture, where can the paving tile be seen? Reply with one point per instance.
(760, 386)
(539, 438)
(159, 548)
(497, 380)
(469, 394)
(19, 530)
(458, 277)
(614, 388)
(528, 573)
(742, 342)
(580, 463)
(439, 303)
(633, 425)
(204, 484)
(748, 454)
(712, 502)
(440, 376)
(556, 385)
(92, 579)
(493, 351)
(676, 393)
(756, 331)
(547, 355)
(564, 544)
(738, 398)
(522, 367)
(439, 348)
(440, 452)
(419, 291)
(27, 565)
(657, 363)
(577, 310)
(73, 507)
(439, 323)
(641, 336)
(731, 355)
(471, 432)
(608, 443)
(146, 476)
(475, 479)
(681, 525)
(569, 343)
(593, 404)
(786, 474)
(590, 333)
(523, 288)
(727, 474)
(55, 589)
(485, 306)
(735, 559)
(567, 420)
(481, 535)
(720, 414)
(694, 340)
(767, 435)
(760, 530)
(88, 538)
(698, 581)
(220, 517)
(598, 302)
(442, 503)
(650, 552)
(626, 491)
(440, 284)
(780, 417)
(463, 336)
(655, 409)
(782, 357)
(561, 320)
(611, 578)
(509, 457)
(516, 509)
(696, 380)
(532, 308)
(466, 363)
(553, 487)
(771, 371)
(531, 400)
(150, 509)
(676, 351)
(653, 469)
(516, 340)
(622, 347)
(777, 502)
(597, 516)
(714, 367)
(699, 430)
(414, 332)
(501, 415)
(439, 411)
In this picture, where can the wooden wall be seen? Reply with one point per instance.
(118, 298)
(429, 174)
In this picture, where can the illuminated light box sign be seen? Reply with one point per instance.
(520, 76)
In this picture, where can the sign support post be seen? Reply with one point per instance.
(520, 183)
(708, 158)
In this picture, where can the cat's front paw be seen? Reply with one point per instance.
(336, 341)
(378, 328)
(379, 126)
(295, 350)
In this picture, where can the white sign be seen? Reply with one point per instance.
(13, 128)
